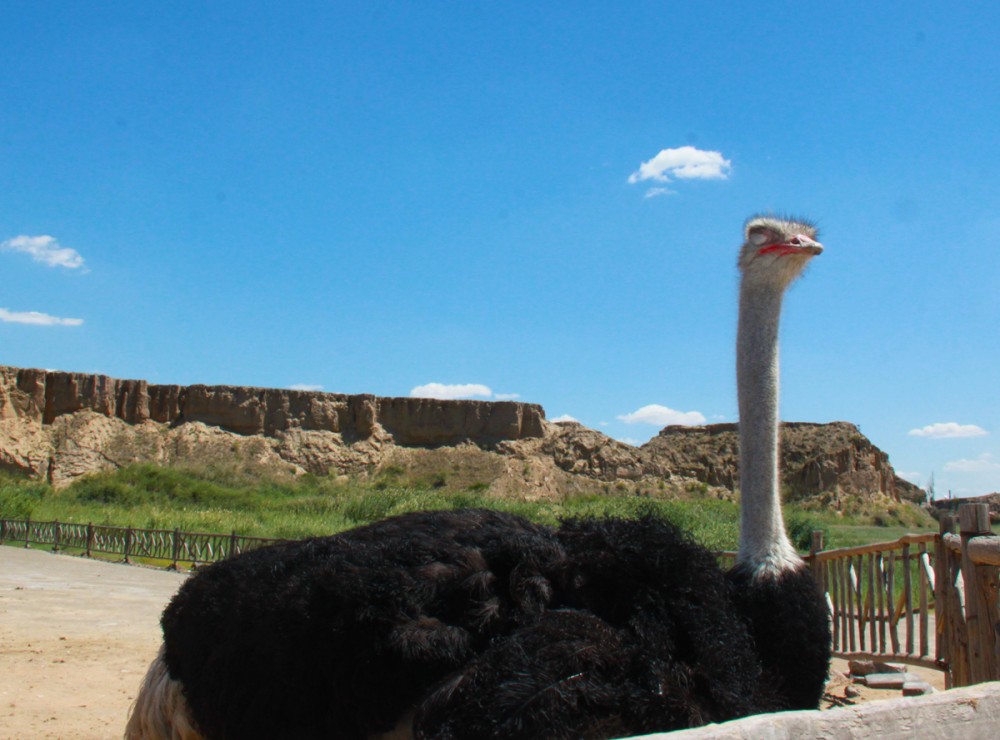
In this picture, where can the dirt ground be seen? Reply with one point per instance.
(77, 635)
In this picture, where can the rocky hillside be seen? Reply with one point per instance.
(951, 505)
(814, 458)
(60, 425)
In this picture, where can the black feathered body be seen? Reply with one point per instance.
(483, 625)
(790, 626)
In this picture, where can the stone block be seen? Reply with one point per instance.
(917, 688)
(890, 680)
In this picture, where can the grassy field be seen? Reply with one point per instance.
(215, 500)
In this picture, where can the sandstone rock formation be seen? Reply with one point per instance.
(814, 458)
(60, 425)
(951, 504)
(43, 396)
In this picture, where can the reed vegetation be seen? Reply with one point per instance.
(227, 500)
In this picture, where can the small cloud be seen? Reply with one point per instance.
(565, 417)
(654, 192)
(447, 392)
(982, 464)
(35, 318)
(662, 416)
(630, 441)
(948, 429)
(44, 249)
(305, 387)
(915, 478)
(506, 396)
(683, 163)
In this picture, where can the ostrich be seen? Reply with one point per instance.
(478, 624)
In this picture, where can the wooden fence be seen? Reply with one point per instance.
(171, 546)
(930, 599)
(879, 597)
(968, 572)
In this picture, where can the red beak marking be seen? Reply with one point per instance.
(796, 245)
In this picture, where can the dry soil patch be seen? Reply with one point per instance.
(76, 637)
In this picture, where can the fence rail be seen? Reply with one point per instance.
(170, 545)
(930, 599)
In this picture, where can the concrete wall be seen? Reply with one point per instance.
(970, 713)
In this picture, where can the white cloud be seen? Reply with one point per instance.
(565, 417)
(44, 249)
(913, 477)
(654, 192)
(662, 416)
(450, 392)
(305, 387)
(35, 318)
(982, 464)
(630, 441)
(945, 430)
(683, 163)
(506, 396)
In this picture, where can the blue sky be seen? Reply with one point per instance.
(381, 197)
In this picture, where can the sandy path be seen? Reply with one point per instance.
(76, 637)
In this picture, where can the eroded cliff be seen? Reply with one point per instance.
(60, 425)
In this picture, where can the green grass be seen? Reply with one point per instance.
(216, 500)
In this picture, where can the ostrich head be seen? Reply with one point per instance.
(776, 250)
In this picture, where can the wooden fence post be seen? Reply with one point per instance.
(908, 598)
(27, 534)
(3, 530)
(176, 550)
(55, 535)
(925, 578)
(90, 537)
(815, 547)
(974, 521)
(944, 650)
(233, 546)
(988, 596)
(128, 544)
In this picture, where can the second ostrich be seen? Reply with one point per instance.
(478, 624)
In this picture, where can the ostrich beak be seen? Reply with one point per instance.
(798, 244)
(802, 244)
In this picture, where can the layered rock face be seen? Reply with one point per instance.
(61, 425)
(42, 397)
(814, 458)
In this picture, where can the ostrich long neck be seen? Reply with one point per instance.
(764, 546)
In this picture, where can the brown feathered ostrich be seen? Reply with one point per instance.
(479, 624)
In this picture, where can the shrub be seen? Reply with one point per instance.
(801, 527)
(19, 496)
(104, 490)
